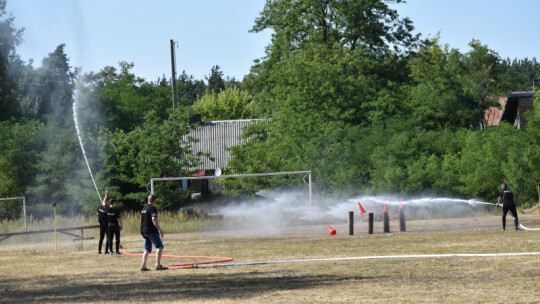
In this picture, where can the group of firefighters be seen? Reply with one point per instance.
(110, 221)
(110, 224)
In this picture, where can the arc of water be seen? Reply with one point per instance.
(76, 120)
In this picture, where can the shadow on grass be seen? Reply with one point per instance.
(173, 286)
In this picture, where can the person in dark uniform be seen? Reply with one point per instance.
(102, 220)
(114, 225)
(507, 204)
(151, 233)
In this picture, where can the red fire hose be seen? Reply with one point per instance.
(187, 265)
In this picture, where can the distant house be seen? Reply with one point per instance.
(512, 109)
(215, 137)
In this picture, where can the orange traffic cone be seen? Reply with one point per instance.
(332, 231)
(384, 209)
(362, 211)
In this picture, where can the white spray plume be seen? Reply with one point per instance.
(76, 97)
(279, 212)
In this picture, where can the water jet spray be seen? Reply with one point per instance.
(76, 120)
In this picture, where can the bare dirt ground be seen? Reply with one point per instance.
(535, 209)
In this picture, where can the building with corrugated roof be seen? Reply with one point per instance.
(512, 108)
(215, 138)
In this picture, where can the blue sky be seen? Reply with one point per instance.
(508, 27)
(98, 33)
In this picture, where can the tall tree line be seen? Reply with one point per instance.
(128, 129)
(348, 89)
(366, 105)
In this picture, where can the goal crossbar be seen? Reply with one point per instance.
(161, 179)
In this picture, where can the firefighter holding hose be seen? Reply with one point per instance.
(103, 223)
(114, 225)
(507, 204)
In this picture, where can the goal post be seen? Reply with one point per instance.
(23, 198)
(161, 179)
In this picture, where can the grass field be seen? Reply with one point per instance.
(33, 273)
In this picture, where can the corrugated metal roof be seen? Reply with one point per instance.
(521, 94)
(217, 137)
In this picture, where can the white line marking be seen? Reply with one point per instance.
(375, 257)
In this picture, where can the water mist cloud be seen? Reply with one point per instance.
(280, 212)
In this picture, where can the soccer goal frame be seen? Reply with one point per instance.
(162, 179)
(24, 207)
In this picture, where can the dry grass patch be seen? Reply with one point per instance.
(72, 275)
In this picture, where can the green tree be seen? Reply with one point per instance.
(364, 28)
(485, 162)
(319, 100)
(216, 83)
(125, 98)
(10, 37)
(17, 156)
(484, 78)
(369, 24)
(231, 103)
(152, 149)
(453, 90)
(408, 159)
(329, 72)
(55, 87)
(438, 99)
(58, 163)
(524, 73)
(190, 89)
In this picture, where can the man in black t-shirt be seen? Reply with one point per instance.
(508, 204)
(114, 225)
(151, 232)
(102, 220)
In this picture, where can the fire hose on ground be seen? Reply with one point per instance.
(525, 228)
(186, 265)
(217, 260)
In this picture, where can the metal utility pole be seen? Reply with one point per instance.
(173, 65)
